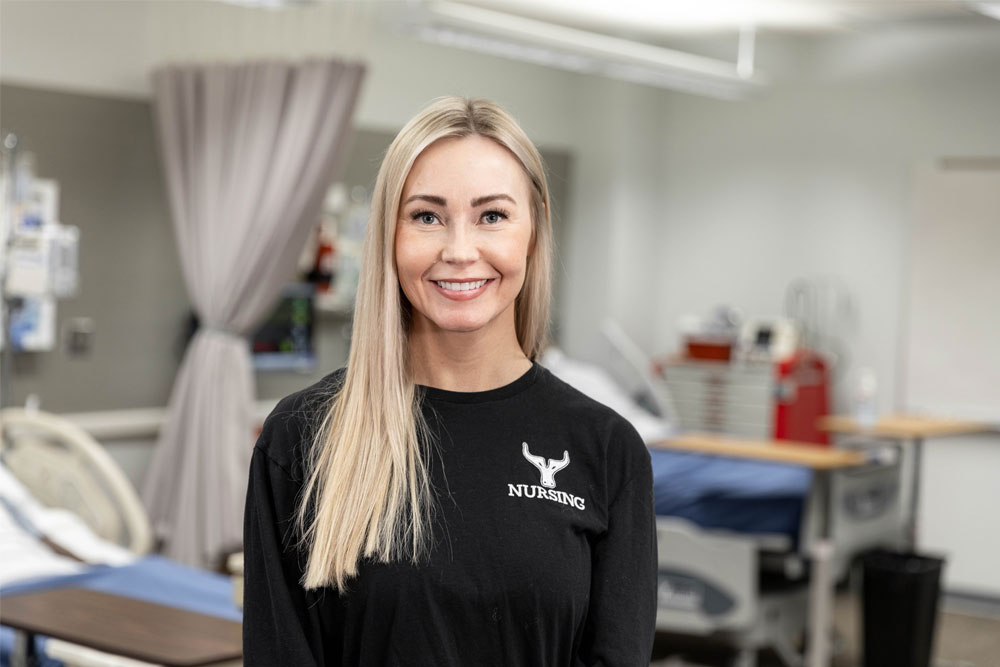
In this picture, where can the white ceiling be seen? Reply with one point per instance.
(111, 45)
(702, 46)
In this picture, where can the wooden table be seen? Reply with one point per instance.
(810, 455)
(912, 429)
(823, 461)
(122, 626)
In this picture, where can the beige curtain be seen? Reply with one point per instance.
(248, 152)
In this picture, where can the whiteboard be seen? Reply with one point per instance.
(951, 347)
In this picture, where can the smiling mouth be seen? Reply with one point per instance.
(460, 286)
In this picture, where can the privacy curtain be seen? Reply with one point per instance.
(248, 152)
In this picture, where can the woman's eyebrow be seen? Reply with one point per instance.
(434, 199)
(441, 201)
(479, 201)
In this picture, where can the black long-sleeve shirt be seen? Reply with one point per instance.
(544, 548)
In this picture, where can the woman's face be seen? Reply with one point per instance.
(463, 236)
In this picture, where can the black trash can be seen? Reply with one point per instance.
(900, 600)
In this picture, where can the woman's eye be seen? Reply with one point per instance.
(493, 217)
(425, 218)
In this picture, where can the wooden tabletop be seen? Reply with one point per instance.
(777, 451)
(904, 426)
(125, 627)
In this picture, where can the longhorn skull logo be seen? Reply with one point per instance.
(547, 468)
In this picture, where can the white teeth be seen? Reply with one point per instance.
(460, 287)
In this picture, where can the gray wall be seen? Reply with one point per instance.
(102, 152)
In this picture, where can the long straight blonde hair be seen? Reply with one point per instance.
(367, 493)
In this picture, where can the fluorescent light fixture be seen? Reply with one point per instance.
(675, 15)
(552, 45)
(269, 4)
(991, 9)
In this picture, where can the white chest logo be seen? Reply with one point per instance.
(547, 468)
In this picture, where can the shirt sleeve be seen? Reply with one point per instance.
(280, 627)
(621, 620)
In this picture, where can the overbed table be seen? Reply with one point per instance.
(906, 429)
(823, 461)
(120, 626)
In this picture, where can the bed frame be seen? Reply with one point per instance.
(754, 591)
(63, 466)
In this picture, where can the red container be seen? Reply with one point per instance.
(804, 388)
(709, 349)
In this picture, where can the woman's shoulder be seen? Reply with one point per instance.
(613, 437)
(570, 400)
(289, 429)
(571, 405)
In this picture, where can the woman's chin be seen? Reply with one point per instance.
(466, 319)
(463, 324)
(463, 327)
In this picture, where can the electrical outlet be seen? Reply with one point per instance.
(78, 336)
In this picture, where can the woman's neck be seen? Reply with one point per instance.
(473, 361)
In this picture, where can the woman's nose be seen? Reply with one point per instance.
(460, 246)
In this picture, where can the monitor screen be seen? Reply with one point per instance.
(284, 342)
(764, 337)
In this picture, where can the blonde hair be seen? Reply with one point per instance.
(367, 493)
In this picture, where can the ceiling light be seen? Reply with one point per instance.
(674, 15)
(991, 9)
(559, 46)
(270, 4)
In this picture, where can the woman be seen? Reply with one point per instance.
(445, 500)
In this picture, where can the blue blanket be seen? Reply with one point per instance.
(733, 494)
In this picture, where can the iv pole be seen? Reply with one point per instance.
(10, 152)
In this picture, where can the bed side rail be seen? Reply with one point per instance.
(707, 580)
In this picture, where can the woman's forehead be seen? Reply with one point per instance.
(466, 167)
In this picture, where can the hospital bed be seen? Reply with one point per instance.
(69, 518)
(751, 538)
(749, 550)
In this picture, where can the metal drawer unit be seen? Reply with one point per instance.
(720, 397)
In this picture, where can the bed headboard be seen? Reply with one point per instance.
(63, 466)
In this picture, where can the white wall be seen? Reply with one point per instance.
(611, 255)
(814, 177)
